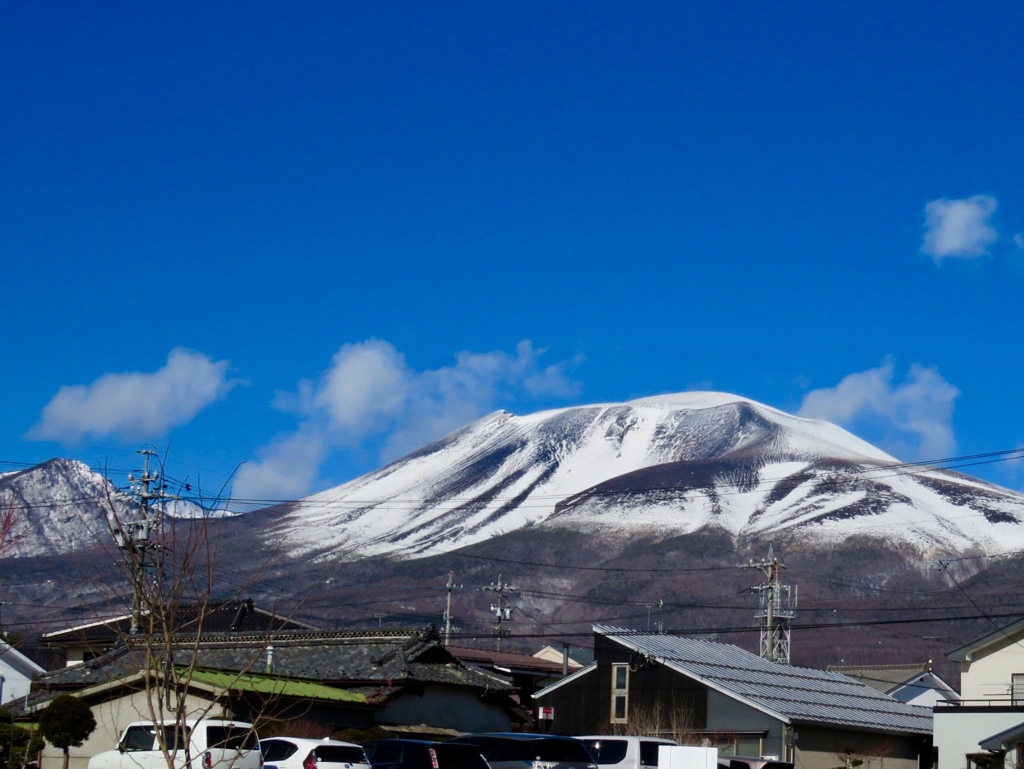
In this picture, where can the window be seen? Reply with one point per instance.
(620, 693)
(139, 738)
(649, 752)
(277, 750)
(339, 754)
(607, 751)
(1017, 688)
(231, 737)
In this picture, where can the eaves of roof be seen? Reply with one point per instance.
(1004, 740)
(567, 680)
(1001, 636)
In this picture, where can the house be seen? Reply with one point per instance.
(88, 641)
(16, 673)
(914, 684)
(986, 727)
(529, 673)
(135, 696)
(571, 658)
(404, 680)
(703, 692)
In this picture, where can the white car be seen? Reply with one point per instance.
(209, 743)
(304, 753)
(615, 752)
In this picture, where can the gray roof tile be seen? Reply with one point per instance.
(797, 694)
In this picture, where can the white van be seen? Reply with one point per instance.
(196, 744)
(613, 752)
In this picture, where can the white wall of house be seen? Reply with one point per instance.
(989, 674)
(111, 719)
(16, 673)
(957, 732)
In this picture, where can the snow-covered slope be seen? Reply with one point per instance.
(667, 465)
(59, 506)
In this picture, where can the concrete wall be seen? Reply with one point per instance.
(989, 674)
(958, 730)
(111, 719)
(816, 748)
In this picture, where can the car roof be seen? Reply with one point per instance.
(519, 736)
(311, 742)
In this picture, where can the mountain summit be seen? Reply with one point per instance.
(659, 467)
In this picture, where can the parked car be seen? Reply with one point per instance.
(423, 754)
(615, 752)
(303, 753)
(514, 750)
(750, 762)
(209, 743)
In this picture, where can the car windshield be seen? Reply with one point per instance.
(230, 737)
(339, 754)
(458, 757)
(144, 737)
(537, 749)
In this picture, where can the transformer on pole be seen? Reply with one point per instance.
(140, 536)
(777, 608)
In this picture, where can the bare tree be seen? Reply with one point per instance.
(170, 565)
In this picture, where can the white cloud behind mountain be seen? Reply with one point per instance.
(369, 394)
(912, 419)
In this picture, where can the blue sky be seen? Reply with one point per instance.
(291, 243)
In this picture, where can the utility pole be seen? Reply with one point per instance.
(136, 538)
(775, 614)
(501, 611)
(451, 587)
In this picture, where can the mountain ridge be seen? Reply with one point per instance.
(674, 463)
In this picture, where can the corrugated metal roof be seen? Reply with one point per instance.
(792, 693)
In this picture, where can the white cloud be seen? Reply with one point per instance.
(371, 394)
(284, 470)
(366, 384)
(959, 228)
(911, 420)
(135, 405)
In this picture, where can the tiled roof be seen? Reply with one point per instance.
(884, 678)
(230, 616)
(505, 660)
(800, 695)
(333, 657)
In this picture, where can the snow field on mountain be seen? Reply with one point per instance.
(811, 480)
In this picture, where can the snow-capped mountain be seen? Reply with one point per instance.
(62, 506)
(661, 466)
(59, 506)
